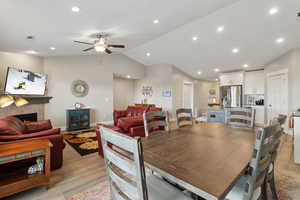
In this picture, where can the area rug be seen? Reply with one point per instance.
(84, 143)
(98, 192)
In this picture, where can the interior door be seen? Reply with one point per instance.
(277, 86)
(188, 95)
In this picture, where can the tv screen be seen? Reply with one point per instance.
(19, 81)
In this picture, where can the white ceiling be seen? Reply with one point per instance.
(129, 22)
(247, 24)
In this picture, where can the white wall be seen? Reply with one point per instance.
(123, 93)
(97, 71)
(31, 63)
(21, 61)
(290, 61)
(203, 93)
(165, 76)
(159, 77)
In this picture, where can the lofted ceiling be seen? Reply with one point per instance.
(247, 25)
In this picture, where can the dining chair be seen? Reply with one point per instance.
(242, 117)
(270, 179)
(201, 115)
(156, 122)
(184, 117)
(252, 185)
(126, 171)
(281, 119)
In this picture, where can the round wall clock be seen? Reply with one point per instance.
(79, 88)
(212, 92)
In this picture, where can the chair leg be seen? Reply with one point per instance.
(264, 191)
(273, 187)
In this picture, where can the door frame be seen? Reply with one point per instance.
(277, 73)
(183, 85)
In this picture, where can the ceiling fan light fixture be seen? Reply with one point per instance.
(100, 48)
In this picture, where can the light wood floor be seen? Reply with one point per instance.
(79, 173)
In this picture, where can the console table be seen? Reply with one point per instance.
(16, 178)
(78, 119)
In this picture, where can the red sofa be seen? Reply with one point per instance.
(129, 122)
(13, 129)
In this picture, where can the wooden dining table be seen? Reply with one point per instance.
(206, 159)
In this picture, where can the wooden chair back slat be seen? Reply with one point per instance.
(126, 187)
(152, 114)
(184, 115)
(116, 194)
(244, 117)
(281, 119)
(119, 160)
(156, 122)
(126, 175)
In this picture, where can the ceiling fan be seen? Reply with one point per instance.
(100, 45)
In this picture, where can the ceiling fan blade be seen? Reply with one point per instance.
(88, 49)
(83, 42)
(108, 51)
(116, 46)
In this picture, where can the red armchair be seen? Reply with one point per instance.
(129, 122)
(12, 129)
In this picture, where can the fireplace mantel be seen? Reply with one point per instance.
(37, 99)
(32, 99)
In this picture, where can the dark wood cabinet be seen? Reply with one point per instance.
(78, 119)
(16, 178)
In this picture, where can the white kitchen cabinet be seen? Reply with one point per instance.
(259, 115)
(236, 78)
(255, 82)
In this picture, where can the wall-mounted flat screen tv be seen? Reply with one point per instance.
(23, 82)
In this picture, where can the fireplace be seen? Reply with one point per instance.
(29, 117)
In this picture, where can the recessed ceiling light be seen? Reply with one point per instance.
(52, 48)
(217, 70)
(128, 76)
(195, 38)
(156, 21)
(235, 50)
(199, 72)
(148, 54)
(245, 65)
(273, 11)
(220, 29)
(280, 40)
(31, 52)
(75, 9)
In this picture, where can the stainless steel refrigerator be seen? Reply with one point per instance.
(231, 96)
